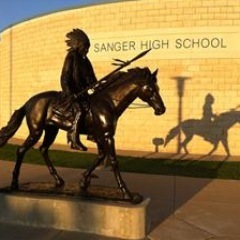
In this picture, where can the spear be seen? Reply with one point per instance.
(121, 65)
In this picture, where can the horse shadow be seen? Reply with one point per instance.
(214, 131)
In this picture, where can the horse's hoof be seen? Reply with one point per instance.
(83, 190)
(60, 183)
(126, 196)
(136, 198)
(83, 185)
(14, 186)
(86, 180)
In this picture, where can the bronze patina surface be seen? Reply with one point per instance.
(71, 190)
(111, 96)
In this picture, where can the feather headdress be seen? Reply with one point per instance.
(75, 37)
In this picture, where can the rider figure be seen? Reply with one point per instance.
(77, 75)
(208, 115)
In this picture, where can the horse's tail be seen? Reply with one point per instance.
(12, 126)
(172, 134)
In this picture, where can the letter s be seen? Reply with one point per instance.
(178, 43)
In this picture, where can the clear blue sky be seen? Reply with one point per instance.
(13, 11)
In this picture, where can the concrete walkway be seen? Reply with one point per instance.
(181, 208)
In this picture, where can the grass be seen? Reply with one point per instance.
(189, 168)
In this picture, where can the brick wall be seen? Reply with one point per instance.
(32, 54)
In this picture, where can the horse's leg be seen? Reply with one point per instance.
(111, 157)
(215, 145)
(85, 181)
(225, 145)
(50, 135)
(185, 142)
(108, 148)
(29, 142)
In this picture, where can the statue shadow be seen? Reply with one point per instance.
(212, 128)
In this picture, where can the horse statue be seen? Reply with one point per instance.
(213, 132)
(100, 122)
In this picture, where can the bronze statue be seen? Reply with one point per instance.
(50, 111)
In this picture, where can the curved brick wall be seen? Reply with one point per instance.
(193, 39)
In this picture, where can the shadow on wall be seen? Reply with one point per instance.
(213, 128)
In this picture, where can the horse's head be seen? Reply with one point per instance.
(149, 92)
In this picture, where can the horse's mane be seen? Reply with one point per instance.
(122, 76)
(226, 116)
(227, 113)
(138, 71)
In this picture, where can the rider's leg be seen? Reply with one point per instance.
(73, 134)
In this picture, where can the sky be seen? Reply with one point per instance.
(13, 11)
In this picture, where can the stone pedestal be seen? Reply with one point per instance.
(113, 219)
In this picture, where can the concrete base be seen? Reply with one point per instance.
(120, 220)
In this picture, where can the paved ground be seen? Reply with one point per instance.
(181, 208)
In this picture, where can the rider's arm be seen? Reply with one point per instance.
(67, 73)
(92, 76)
